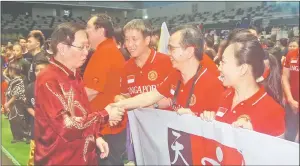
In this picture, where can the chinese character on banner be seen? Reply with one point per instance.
(179, 148)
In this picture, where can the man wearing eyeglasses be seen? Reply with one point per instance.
(192, 87)
(66, 128)
(102, 80)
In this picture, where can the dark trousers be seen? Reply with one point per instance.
(117, 149)
(18, 127)
(291, 123)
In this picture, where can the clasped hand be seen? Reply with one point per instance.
(115, 114)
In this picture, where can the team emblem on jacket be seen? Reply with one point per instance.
(152, 75)
(193, 100)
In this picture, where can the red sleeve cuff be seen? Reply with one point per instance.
(104, 117)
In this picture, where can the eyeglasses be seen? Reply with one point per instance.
(86, 47)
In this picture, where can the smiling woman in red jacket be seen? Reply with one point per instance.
(248, 104)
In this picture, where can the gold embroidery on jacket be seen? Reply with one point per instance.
(88, 139)
(71, 120)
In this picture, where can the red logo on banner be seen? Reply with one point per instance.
(189, 149)
(210, 152)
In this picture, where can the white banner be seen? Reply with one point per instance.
(164, 39)
(165, 138)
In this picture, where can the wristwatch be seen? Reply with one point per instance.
(155, 106)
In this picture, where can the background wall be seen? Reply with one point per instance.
(184, 8)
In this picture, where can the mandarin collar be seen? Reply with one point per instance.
(64, 69)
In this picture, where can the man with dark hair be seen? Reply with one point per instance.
(36, 40)
(191, 86)
(204, 58)
(26, 54)
(102, 78)
(145, 69)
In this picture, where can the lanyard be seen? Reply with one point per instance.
(174, 101)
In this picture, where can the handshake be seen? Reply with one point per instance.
(116, 111)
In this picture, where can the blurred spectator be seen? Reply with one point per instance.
(284, 46)
(9, 57)
(208, 47)
(15, 103)
(9, 53)
(277, 53)
(293, 44)
(4, 86)
(216, 47)
(155, 38)
(36, 40)
(47, 49)
(30, 104)
(221, 49)
(290, 81)
(18, 58)
(26, 54)
(119, 39)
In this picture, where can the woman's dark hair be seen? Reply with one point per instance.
(277, 53)
(269, 43)
(248, 50)
(156, 32)
(119, 36)
(64, 33)
(283, 42)
(125, 53)
(16, 67)
(221, 48)
(216, 47)
(211, 53)
(209, 40)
